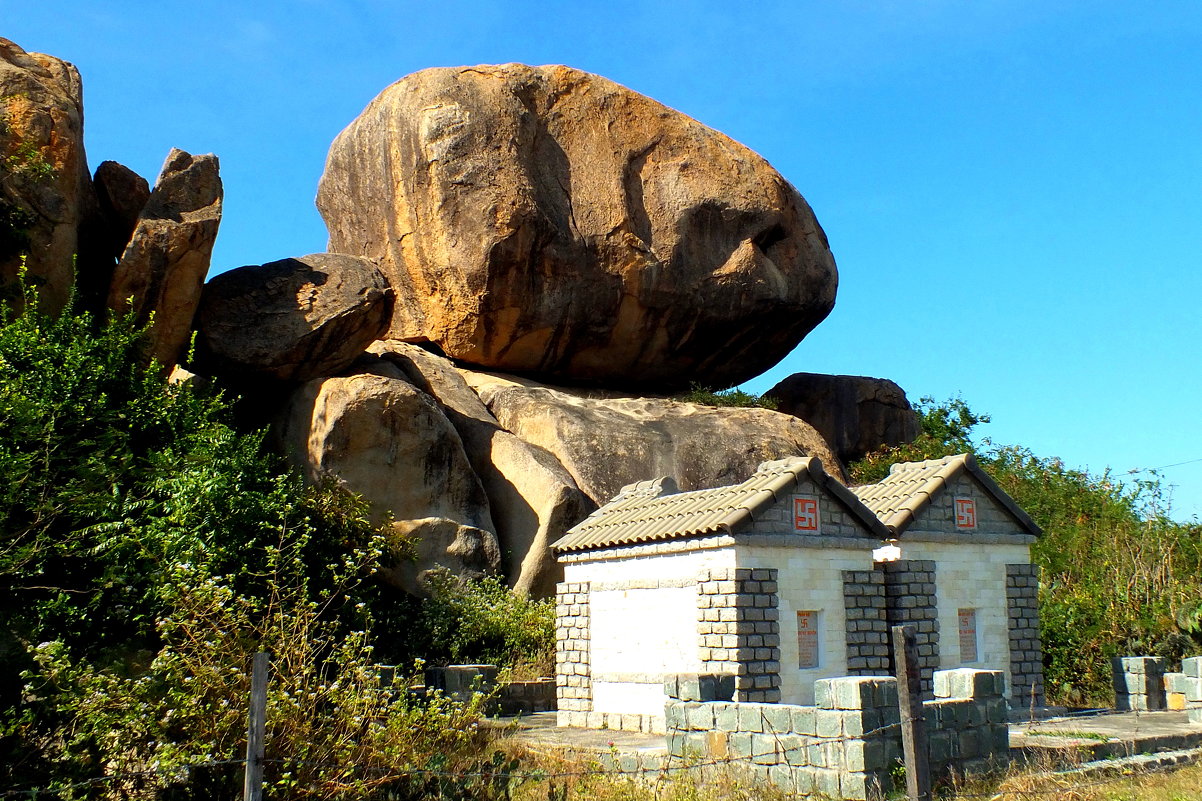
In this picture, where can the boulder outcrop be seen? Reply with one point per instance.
(533, 499)
(291, 320)
(606, 440)
(546, 221)
(121, 194)
(378, 435)
(855, 414)
(164, 266)
(45, 188)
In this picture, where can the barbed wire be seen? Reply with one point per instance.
(58, 789)
(537, 774)
(672, 763)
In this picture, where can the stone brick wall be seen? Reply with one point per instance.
(967, 722)
(573, 675)
(1026, 648)
(738, 629)
(1192, 687)
(844, 745)
(1139, 683)
(833, 519)
(939, 514)
(910, 600)
(866, 623)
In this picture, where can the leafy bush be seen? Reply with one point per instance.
(725, 397)
(147, 551)
(1118, 575)
(484, 622)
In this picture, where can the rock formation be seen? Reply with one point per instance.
(291, 320)
(610, 441)
(545, 221)
(45, 189)
(164, 266)
(378, 435)
(532, 497)
(121, 194)
(855, 414)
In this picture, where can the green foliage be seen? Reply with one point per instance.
(725, 397)
(147, 551)
(1118, 576)
(484, 622)
(945, 429)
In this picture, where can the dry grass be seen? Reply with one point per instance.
(572, 777)
(589, 781)
(1184, 784)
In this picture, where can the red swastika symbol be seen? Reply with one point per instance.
(966, 513)
(805, 514)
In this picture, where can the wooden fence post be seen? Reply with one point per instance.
(256, 726)
(915, 751)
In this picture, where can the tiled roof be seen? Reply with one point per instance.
(910, 486)
(652, 511)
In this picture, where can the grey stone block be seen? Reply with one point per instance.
(803, 720)
(782, 776)
(829, 723)
(827, 783)
(700, 716)
(1192, 667)
(823, 694)
(751, 717)
(764, 750)
(726, 716)
(778, 718)
(738, 745)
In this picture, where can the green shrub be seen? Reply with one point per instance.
(1118, 575)
(725, 397)
(485, 622)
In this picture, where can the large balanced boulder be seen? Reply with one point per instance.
(379, 436)
(546, 221)
(533, 499)
(164, 266)
(855, 414)
(291, 320)
(606, 440)
(45, 189)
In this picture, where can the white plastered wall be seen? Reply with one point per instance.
(971, 576)
(640, 634)
(809, 579)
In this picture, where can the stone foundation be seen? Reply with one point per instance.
(848, 742)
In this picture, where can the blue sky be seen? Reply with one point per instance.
(1012, 189)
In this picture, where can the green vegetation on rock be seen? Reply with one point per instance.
(1118, 576)
(725, 397)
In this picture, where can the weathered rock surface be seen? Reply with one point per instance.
(291, 320)
(45, 189)
(380, 436)
(606, 443)
(546, 221)
(164, 266)
(121, 194)
(855, 414)
(533, 499)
